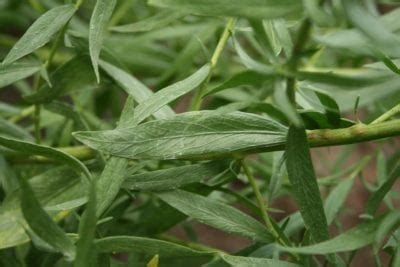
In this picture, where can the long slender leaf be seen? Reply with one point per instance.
(304, 184)
(372, 27)
(98, 23)
(173, 178)
(355, 238)
(157, 21)
(133, 87)
(40, 32)
(254, 262)
(216, 214)
(146, 245)
(377, 197)
(34, 149)
(85, 252)
(190, 135)
(170, 93)
(14, 72)
(41, 223)
(248, 8)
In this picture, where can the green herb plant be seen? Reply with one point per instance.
(123, 119)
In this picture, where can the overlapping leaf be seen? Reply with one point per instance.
(190, 135)
(40, 32)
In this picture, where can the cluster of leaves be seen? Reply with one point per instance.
(85, 182)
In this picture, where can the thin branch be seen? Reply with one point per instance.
(316, 138)
(198, 97)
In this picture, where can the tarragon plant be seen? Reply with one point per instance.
(120, 120)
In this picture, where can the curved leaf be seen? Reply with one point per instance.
(355, 238)
(34, 149)
(42, 224)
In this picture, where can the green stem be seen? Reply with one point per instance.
(261, 203)
(78, 3)
(387, 115)
(36, 113)
(316, 138)
(355, 134)
(292, 65)
(198, 97)
(24, 113)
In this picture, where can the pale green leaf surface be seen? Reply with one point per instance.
(98, 25)
(57, 189)
(85, 252)
(216, 214)
(146, 245)
(242, 8)
(239, 261)
(173, 178)
(170, 93)
(355, 238)
(34, 149)
(133, 87)
(42, 224)
(190, 135)
(40, 32)
(14, 72)
(372, 27)
(157, 21)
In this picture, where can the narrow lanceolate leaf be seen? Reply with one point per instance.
(85, 252)
(304, 184)
(375, 200)
(15, 72)
(190, 135)
(57, 189)
(170, 93)
(372, 27)
(98, 24)
(9, 129)
(254, 262)
(41, 223)
(155, 22)
(216, 214)
(336, 199)
(241, 8)
(113, 174)
(331, 108)
(355, 238)
(146, 245)
(173, 178)
(41, 31)
(52, 153)
(133, 87)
